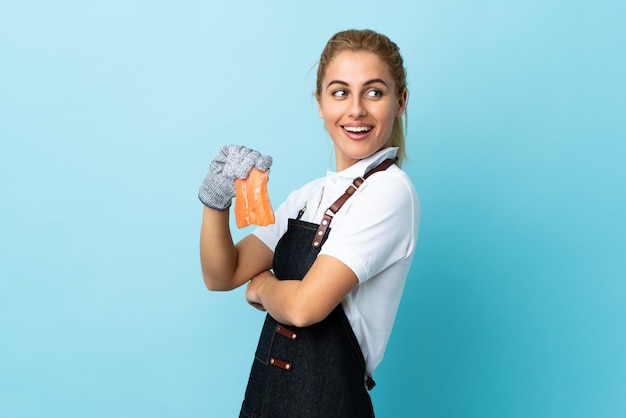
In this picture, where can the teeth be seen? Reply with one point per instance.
(357, 129)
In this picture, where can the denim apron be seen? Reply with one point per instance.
(309, 372)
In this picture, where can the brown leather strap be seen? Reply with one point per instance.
(286, 332)
(334, 208)
(281, 364)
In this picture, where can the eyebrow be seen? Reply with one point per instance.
(367, 83)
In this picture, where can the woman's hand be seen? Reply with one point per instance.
(302, 302)
(252, 291)
(235, 161)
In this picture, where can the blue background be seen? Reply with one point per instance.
(111, 111)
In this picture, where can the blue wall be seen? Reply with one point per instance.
(111, 111)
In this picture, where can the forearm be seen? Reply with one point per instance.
(281, 299)
(226, 266)
(218, 255)
(307, 301)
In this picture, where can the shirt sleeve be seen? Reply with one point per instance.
(378, 228)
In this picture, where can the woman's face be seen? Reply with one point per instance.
(359, 104)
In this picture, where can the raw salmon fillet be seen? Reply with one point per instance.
(252, 201)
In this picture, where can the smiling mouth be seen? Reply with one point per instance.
(357, 129)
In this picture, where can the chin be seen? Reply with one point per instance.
(360, 151)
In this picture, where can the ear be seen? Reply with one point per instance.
(402, 101)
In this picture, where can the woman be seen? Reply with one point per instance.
(340, 249)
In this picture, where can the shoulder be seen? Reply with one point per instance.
(393, 177)
(384, 213)
(391, 189)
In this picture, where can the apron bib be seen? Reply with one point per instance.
(314, 371)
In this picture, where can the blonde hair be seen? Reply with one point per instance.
(387, 51)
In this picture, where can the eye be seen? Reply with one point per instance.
(374, 93)
(339, 93)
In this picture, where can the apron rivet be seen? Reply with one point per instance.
(272, 361)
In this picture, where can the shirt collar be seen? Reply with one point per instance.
(363, 166)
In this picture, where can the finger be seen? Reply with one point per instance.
(248, 162)
(263, 162)
(217, 164)
(231, 149)
(258, 306)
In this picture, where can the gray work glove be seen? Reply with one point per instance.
(235, 161)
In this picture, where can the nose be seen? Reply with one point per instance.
(357, 108)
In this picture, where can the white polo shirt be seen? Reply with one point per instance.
(374, 234)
